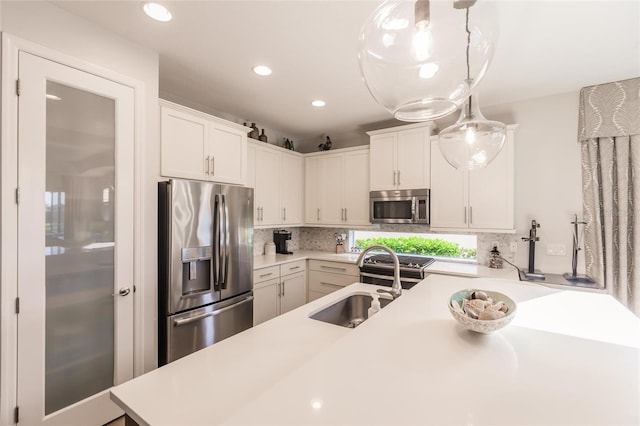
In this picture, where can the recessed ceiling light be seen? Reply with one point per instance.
(262, 70)
(318, 103)
(157, 11)
(53, 97)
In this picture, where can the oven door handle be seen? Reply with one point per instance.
(390, 277)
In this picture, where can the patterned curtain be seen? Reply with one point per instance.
(609, 131)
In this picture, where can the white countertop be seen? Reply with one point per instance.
(567, 358)
(463, 269)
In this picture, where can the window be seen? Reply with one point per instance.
(448, 246)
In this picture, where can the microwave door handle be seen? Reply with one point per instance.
(225, 258)
(414, 217)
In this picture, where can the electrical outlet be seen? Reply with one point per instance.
(556, 250)
(513, 247)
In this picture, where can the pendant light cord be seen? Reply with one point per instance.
(466, 27)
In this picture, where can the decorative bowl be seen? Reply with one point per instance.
(478, 325)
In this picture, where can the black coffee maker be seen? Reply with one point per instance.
(280, 238)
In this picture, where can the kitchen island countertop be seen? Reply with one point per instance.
(568, 357)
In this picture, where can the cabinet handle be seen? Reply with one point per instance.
(284, 214)
(206, 165)
(318, 214)
(331, 284)
(398, 177)
(266, 275)
(333, 268)
(294, 267)
(465, 215)
(213, 165)
(470, 215)
(345, 215)
(394, 178)
(282, 288)
(261, 213)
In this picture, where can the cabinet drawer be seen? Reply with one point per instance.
(293, 267)
(264, 274)
(326, 282)
(335, 268)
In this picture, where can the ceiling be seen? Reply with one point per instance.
(208, 50)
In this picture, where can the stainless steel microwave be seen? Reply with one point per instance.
(399, 206)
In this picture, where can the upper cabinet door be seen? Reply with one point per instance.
(413, 159)
(382, 162)
(491, 192)
(448, 192)
(331, 184)
(292, 189)
(356, 187)
(183, 145)
(227, 154)
(312, 189)
(268, 190)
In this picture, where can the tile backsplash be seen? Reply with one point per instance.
(323, 239)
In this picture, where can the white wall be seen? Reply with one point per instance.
(548, 185)
(54, 28)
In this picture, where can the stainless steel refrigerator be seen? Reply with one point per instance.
(205, 265)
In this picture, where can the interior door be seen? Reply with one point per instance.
(75, 243)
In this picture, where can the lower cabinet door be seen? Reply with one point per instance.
(293, 292)
(265, 300)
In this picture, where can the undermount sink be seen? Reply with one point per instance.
(349, 312)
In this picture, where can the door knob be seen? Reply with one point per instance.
(124, 291)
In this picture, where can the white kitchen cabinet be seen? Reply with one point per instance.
(481, 200)
(326, 277)
(291, 182)
(277, 176)
(356, 187)
(292, 289)
(278, 289)
(267, 189)
(265, 300)
(400, 157)
(312, 187)
(337, 187)
(195, 145)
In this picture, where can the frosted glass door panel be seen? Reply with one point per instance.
(80, 244)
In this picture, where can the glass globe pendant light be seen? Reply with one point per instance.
(473, 141)
(409, 55)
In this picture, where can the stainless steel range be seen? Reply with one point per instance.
(378, 269)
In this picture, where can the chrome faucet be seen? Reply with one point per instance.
(396, 287)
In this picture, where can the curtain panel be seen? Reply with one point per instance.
(609, 131)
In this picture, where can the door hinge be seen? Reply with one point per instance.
(17, 305)
(16, 414)
(17, 195)
(18, 87)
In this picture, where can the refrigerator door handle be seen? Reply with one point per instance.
(216, 247)
(179, 322)
(226, 242)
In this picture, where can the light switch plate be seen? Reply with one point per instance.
(556, 250)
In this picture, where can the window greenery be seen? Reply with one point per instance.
(418, 245)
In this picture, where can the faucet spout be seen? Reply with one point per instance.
(396, 287)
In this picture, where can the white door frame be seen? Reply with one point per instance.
(8, 209)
